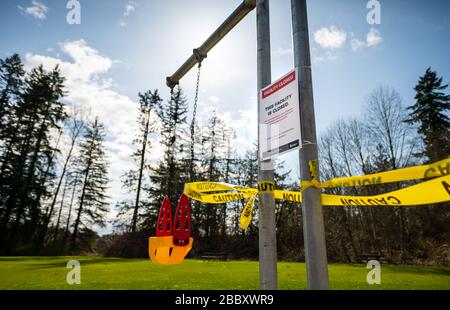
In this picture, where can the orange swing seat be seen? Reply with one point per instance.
(172, 243)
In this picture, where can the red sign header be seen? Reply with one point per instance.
(278, 85)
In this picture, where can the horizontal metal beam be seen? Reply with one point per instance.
(202, 52)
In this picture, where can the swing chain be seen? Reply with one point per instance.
(197, 89)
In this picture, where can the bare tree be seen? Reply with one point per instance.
(385, 116)
(74, 126)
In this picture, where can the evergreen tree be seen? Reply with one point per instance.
(74, 125)
(11, 85)
(167, 178)
(12, 76)
(93, 167)
(429, 112)
(135, 179)
(214, 145)
(229, 171)
(45, 90)
(27, 159)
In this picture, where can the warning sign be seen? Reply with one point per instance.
(279, 117)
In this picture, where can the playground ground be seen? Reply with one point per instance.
(49, 273)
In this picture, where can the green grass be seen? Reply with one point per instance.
(49, 273)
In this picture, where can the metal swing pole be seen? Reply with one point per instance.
(201, 53)
(267, 232)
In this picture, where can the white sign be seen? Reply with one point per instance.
(279, 117)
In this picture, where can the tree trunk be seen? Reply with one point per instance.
(80, 208)
(66, 231)
(60, 211)
(58, 187)
(141, 172)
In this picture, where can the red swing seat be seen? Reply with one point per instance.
(172, 243)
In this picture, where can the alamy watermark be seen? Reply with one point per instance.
(374, 15)
(74, 275)
(269, 135)
(374, 275)
(74, 15)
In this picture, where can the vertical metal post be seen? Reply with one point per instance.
(313, 225)
(267, 231)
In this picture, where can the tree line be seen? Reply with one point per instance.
(39, 133)
(389, 136)
(54, 175)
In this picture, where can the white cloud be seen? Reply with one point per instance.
(357, 44)
(36, 9)
(374, 37)
(331, 37)
(129, 8)
(88, 87)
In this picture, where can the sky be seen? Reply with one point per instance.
(124, 47)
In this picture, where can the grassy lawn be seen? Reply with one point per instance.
(101, 273)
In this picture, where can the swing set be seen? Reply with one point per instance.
(173, 242)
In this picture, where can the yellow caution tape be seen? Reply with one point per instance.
(314, 180)
(313, 169)
(429, 192)
(433, 191)
(437, 169)
(205, 187)
(232, 192)
(218, 198)
(246, 216)
(266, 187)
(288, 195)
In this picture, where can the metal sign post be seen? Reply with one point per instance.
(313, 226)
(266, 226)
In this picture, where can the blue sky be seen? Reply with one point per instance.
(123, 47)
(160, 34)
